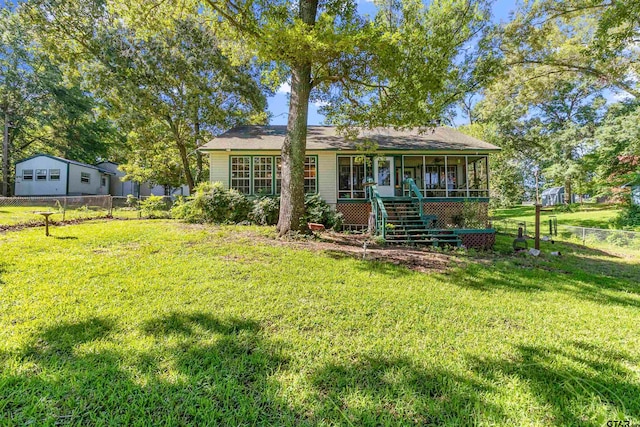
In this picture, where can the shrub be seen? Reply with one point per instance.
(266, 210)
(629, 217)
(132, 201)
(213, 203)
(319, 211)
(473, 215)
(154, 207)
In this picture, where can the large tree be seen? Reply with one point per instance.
(404, 67)
(175, 76)
(41, 109)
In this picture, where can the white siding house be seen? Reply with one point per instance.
(45, 175)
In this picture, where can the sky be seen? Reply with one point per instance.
(278, 104)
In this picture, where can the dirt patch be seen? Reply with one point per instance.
(425, 260)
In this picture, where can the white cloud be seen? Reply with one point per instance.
(285, 88)
(319, 104)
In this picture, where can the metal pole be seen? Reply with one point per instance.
(537, 240)
(5, 155)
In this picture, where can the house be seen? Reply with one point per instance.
(555, 196)
(120, 188)
(426, 173)
(634, 192)
(46, 175)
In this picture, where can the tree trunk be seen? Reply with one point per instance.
(567, 191)
(295, 143)
(5, 155)
(183, 154)
(185, 165)
(196, 143)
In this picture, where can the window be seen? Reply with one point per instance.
(263, 175)
(27, 174)
(351, 177)
(241, 174)
(41, 174)
(104, 181)
(54, 174)
(278, 174)
(310, 175)
(85, 178)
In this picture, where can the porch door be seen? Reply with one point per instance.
(383, 170)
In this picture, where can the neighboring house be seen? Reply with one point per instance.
(122, 188)
(634, 190)
(447, 166)
(555, 196)
(46, 175)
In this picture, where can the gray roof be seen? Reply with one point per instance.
(552, 191)
(73, 162)
(327, 138)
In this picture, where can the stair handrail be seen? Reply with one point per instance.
(378, 206)
(413, 188)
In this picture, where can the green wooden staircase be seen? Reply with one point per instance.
(407, 225)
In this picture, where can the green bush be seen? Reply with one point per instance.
(154, 207)
(319, 211)
(266, 210)
(132, 201)
(629, 217)
(213, 203)
(473, 215)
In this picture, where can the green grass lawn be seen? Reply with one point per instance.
(14, 215)
(592, 216)
(157, 322)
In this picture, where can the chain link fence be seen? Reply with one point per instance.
(19, 211)
(592, 237)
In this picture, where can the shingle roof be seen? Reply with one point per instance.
(73, 162)
(327, 138)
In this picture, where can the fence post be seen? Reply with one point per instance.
(110, 206)
(64, 209)
(583, 235)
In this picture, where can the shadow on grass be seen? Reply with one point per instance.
(581, 272)
(196, 370)
(573, 383)
(395, 391)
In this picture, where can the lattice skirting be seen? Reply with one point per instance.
(355, 213)
(478, 240)
(449, 214)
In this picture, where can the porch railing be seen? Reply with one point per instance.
(379, 211)
(415, 193)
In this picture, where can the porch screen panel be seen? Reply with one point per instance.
(414, 169)
(241, 174)
(478, 176)
(263, 175)
(434, 176)
(458, 181)
(351, 177)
